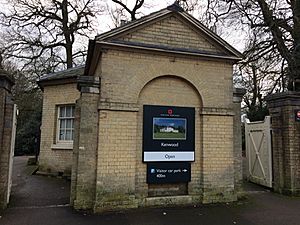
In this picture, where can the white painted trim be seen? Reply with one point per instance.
(63, 146)
(62, 142)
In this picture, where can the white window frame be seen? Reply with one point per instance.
(59, 119)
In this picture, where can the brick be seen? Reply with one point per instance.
(50, 159)
(6, 131)
(108, 171)
(172, 32)
(286, 142)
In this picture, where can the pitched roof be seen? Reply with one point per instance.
(107, 37)
(67, 74)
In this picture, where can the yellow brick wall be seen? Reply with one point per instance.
(124, 74)
(117, 151)
(172, 32)
(120, 167)
(57, 160)
(217, 160)
(134, 79)
(171, 91)
(131, 78)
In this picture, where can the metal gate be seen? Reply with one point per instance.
(259, 151)
(12, 148)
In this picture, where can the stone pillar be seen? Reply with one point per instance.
(237, 137)
(75, 152)
(6, 126)
(217, 158)
(84, 170)
(285, 141)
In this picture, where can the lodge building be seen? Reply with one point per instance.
(98, 119)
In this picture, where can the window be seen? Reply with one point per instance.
(65, 128)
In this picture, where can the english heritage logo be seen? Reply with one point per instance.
(170, 113)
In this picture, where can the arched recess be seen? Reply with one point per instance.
(185, 82)
(169, 90)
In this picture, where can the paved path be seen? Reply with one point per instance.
(32, 190)
(45, 205)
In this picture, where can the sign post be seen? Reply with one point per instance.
(168, 143)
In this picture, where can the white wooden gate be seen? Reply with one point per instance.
(12, 149)
(259, 151)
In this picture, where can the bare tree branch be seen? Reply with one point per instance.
(47, 29)
(133, 11)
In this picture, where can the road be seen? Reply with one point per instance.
(38, 200)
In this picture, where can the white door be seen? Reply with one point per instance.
(259, 151)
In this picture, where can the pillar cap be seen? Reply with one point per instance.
(238, 94)
(88, 84)
(283, 99)
(6, 80)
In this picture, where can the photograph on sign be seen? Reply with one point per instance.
(169, 128)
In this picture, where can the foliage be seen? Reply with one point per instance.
(39, 37)
(257, 113)
(46, 34)
(274, 30)
(29, 104)
(259, 80)
(28, 122)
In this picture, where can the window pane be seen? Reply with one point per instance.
(66, 123)
(62, 111)
(62, 135)
(73, 111)
(68, 111)
(62, 124)
(68, 135)
(69, 123)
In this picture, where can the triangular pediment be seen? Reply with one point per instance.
(168, 31)
(172, 30)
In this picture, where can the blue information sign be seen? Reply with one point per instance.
(173, 172)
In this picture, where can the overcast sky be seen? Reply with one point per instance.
(233, 36)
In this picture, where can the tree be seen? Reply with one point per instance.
(276, 24)
(190, 5)
(42, 35)
(28, 99)
(117, 15)
(255, 79)
(260, 77)
(29, 103)
(132, 12)
(38, 31)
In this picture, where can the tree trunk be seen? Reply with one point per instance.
(67, 33)
(295, 67)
